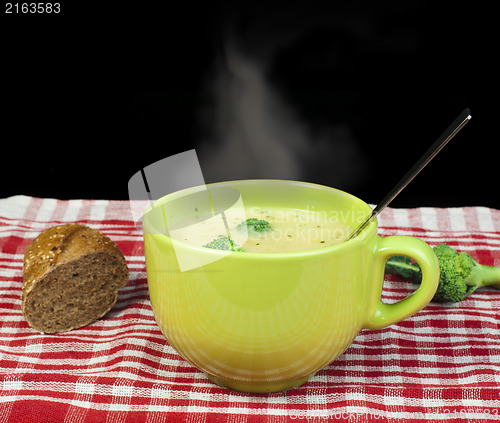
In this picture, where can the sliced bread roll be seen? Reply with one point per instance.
(71, 277)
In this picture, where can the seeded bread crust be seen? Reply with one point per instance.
(71, 277)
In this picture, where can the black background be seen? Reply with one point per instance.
(94, 94)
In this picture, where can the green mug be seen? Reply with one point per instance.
(266, 322)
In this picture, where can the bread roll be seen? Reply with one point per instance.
(71, 277)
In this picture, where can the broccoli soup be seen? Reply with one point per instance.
(264, 230)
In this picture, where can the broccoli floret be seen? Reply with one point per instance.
(254, 225)
(223, 243)
(459, 274)
(454, 268)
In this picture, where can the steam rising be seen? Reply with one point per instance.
(255, 133)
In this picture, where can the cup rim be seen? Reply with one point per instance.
(371, 228)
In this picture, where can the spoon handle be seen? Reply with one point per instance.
(434, 149)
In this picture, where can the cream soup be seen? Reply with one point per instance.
(291, 230)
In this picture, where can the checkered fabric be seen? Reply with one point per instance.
(443, 364)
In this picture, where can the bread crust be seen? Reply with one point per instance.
(48, 260)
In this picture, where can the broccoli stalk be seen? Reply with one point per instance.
(459, 274)
(483, 275)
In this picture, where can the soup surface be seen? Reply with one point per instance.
(291, 230)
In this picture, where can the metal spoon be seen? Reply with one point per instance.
(435, 148)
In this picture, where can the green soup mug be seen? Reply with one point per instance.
(266, 322)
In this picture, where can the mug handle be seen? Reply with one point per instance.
(380, 314)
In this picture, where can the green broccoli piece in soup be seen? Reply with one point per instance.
(254, 225)
(459, 274)
(223, 243)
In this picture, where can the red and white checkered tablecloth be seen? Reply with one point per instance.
(443, 364)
